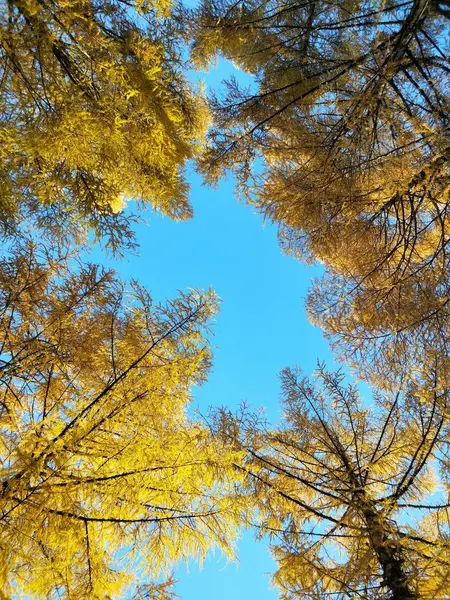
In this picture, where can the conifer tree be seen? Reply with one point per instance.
(106, 481)
(95, 111)
(350, 114)
(345, 492)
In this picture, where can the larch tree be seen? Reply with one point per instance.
(106, 481)
(343, 140)
(95, 111)
(354, 500)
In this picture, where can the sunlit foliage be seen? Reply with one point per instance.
(354, 500)
(95, 111)
(344, 142)
(104, 478)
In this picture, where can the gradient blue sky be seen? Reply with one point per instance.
(262, 327)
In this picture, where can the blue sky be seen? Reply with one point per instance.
(262, 327)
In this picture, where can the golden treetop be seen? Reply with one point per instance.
(105, 480)
(96, 112)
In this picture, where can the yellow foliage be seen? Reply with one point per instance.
(344, 491)
(95, 108)
(106, 482)
(342, 140)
